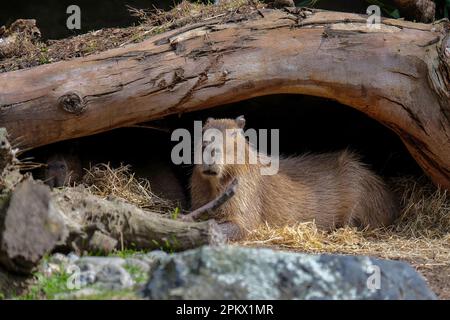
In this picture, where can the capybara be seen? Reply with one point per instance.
(62, 170)
(333, 189)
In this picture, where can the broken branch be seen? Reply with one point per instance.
(207, 211)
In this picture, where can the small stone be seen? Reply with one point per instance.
(72, 257)
(113, 277)
(102, 243)
(49, 269)
(87, 278)
(152, 258)
(133, 262)
(98, 262)
(59, 259)
(157, 255)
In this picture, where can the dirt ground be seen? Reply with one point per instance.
(437, 276)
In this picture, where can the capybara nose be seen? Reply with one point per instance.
(209, 170)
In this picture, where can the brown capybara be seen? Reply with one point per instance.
(62, 170)
(333, 189)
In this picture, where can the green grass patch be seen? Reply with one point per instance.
(137, 274)
(47, 287)
(126, 253)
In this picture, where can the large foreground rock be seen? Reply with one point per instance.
(232, 272)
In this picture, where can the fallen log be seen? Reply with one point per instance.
(91, 219)
(397, 74)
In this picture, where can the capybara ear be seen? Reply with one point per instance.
(240, 121)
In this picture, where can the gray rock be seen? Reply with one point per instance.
(59, 259)
(232, 272)
(106, 273)
(72, 257)
(87, 277)
(138, 263)
(113, 277)
(98, 262)
(152, 256)
(48, 269)
(55, 264)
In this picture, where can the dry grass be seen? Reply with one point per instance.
(104, 181)
(191, 12)
(420, 235)
(153, 22)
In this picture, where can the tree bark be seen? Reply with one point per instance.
(88, 216)
(397, 74)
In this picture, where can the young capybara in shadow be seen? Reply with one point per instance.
(62, 169)
(334, 189)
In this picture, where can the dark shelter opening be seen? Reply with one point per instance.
(305, 123)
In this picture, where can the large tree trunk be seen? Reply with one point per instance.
(397, 74)
(125, 226)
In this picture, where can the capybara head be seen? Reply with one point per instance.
(221, 138)
(56, 173)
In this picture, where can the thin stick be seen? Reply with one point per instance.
(210, 208)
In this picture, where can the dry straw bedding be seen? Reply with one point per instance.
(421, 231)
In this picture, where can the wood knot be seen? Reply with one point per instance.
(72, 102)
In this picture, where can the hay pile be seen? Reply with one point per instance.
(104, 181)
(420, 236)
(191, 12)
(422, 230)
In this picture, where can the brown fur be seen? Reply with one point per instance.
(63, 170)
(164, 182)
(334, 189)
